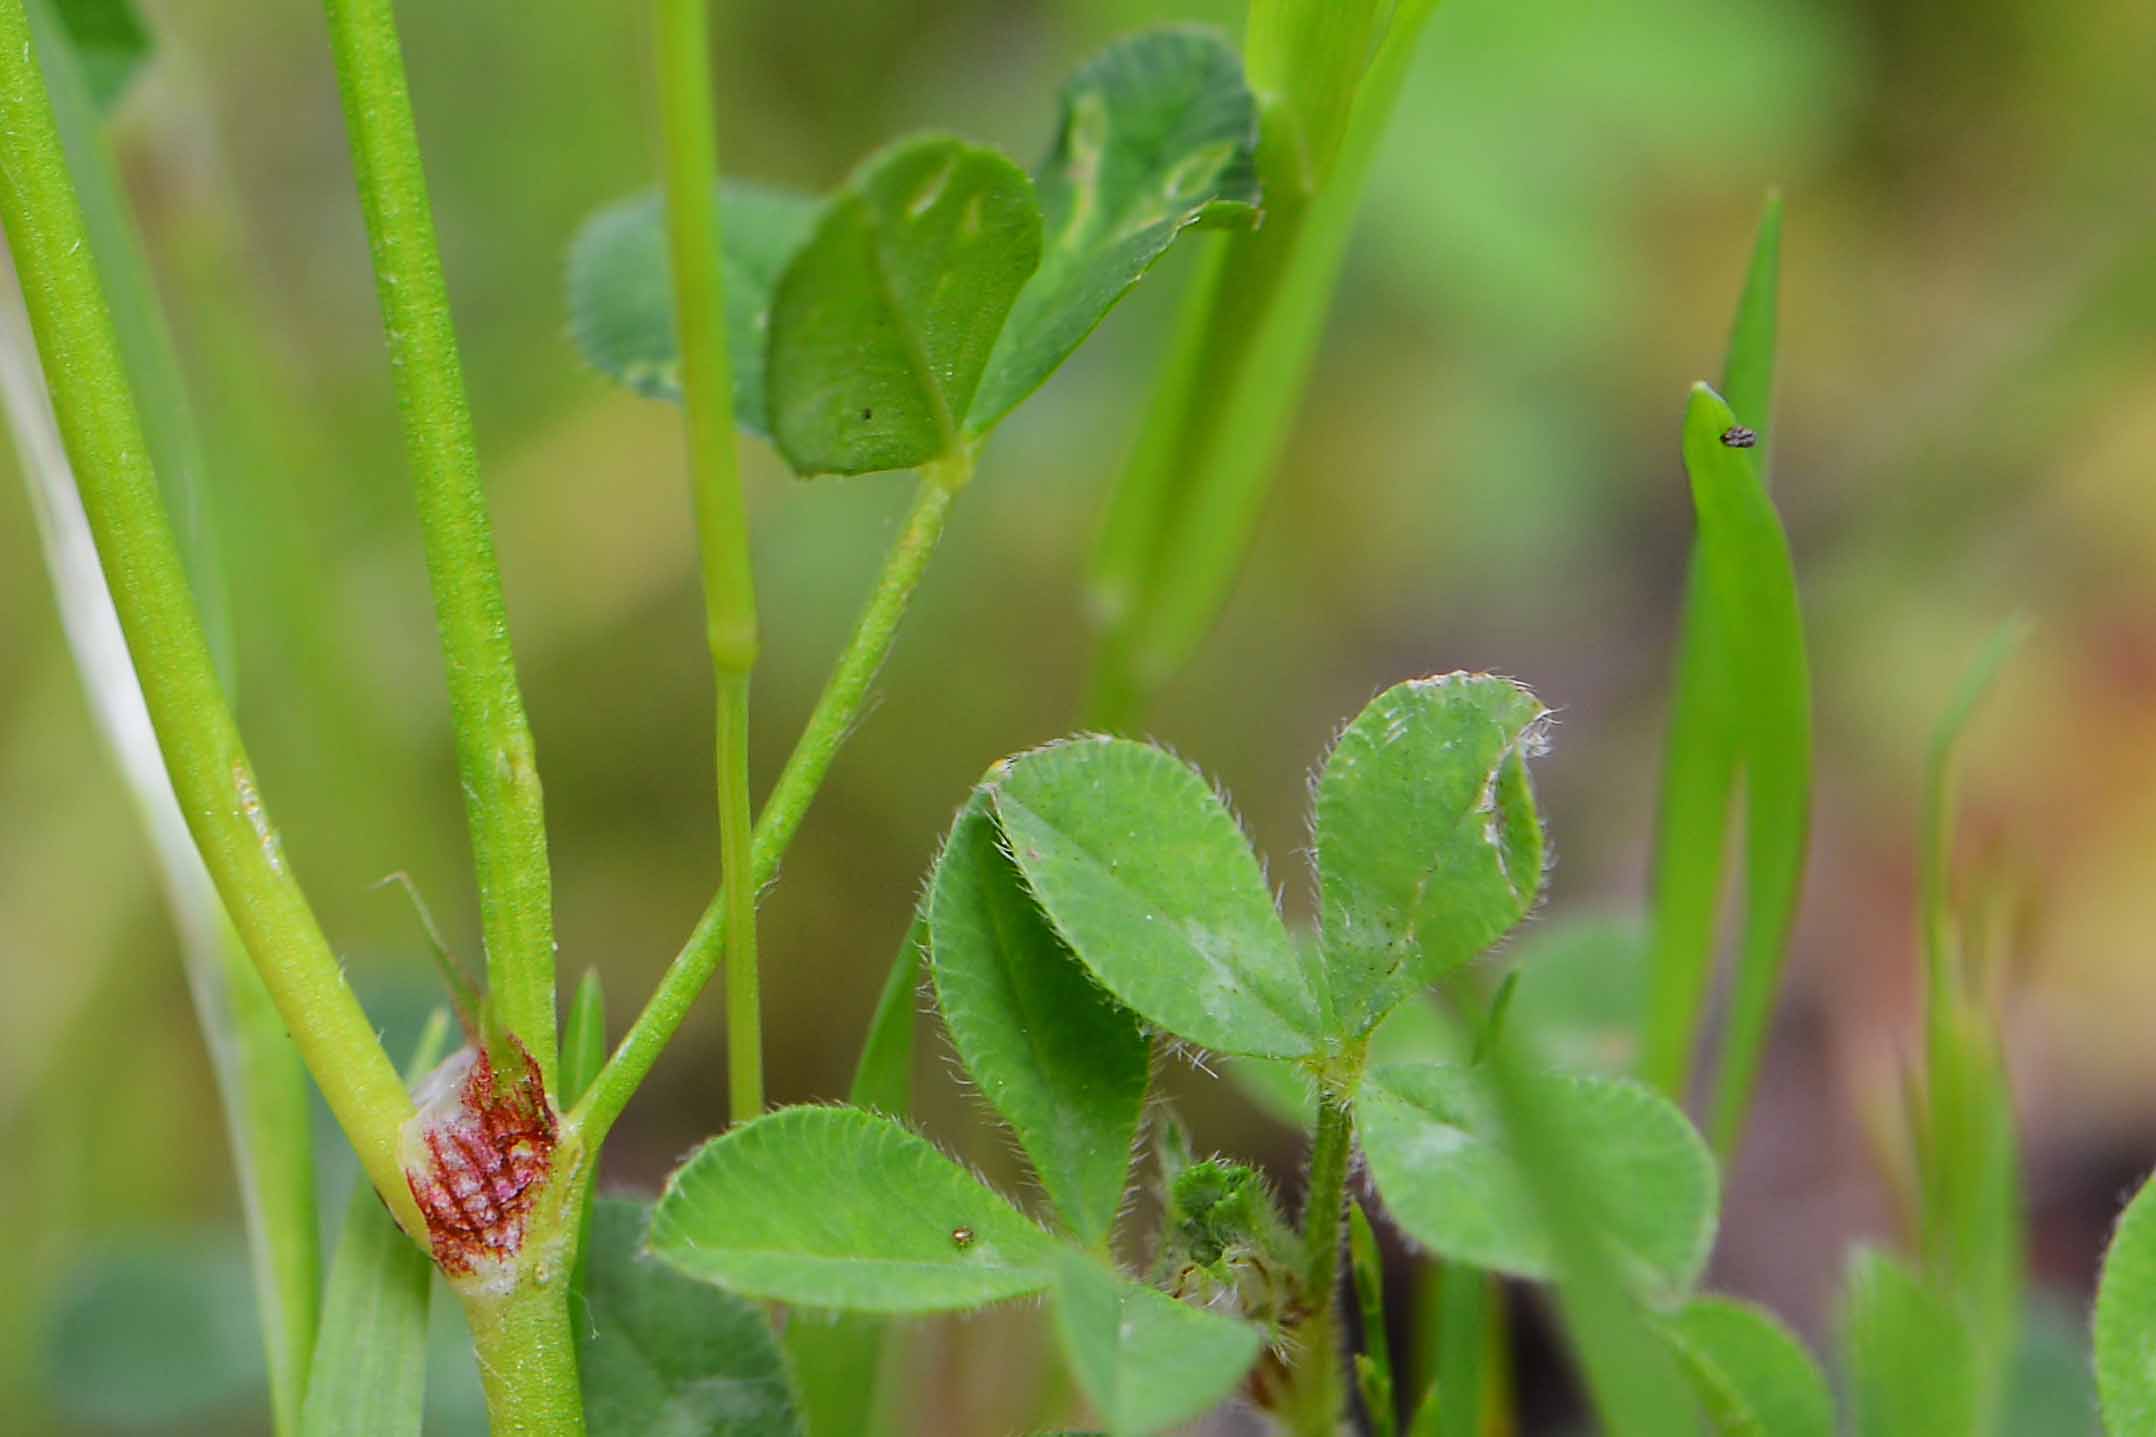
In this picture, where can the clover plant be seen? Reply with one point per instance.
(1095, 911)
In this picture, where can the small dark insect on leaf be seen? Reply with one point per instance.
(961, 1237)
(1736, 436)
(867, 414)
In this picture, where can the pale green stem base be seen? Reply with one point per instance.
(527, 1359)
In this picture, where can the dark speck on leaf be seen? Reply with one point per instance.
(1736, 436)
(867, 414)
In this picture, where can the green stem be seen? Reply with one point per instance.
(526, 1348)
(692, 230)
(1320, 1392)
(200, 743)
(737, 894)
(495, 757)
(836, 713)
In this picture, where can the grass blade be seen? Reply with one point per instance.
(1748, 575)
(1182, 512)
(1373, 1365)
(1971, 1212)
(1631, 1377)
(261, 1085)
(1699, 770)
(370, 1370)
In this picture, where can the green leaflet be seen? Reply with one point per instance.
(1753, 1376)
(1157, 134)
(1911, 1365)
(621, 293)
(1750, 578)
(661, 1353)
(1146, 1360)
(839, 1359)
(837, 1208)
(1446, 1167)
(1429, 849)
(1054, 1055)
(110, 43)
(1146, 876)
(1581, 981)
(883, 322)
(369, 1377)
(2126, 1321)
(1707, 714)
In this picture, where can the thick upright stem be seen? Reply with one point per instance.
(837, 710)
(196, 735)
(692, 228)
(526, 1348)
(495, 758)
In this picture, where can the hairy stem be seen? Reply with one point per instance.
(1320, 1392)
(526, 1348)
(101, 428)
(692, 231)
(837, 710)
(495, 758)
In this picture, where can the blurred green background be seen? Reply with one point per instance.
(1484, 476)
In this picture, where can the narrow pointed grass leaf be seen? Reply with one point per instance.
(1448, 1169)
(839, 1358)
(1452, 1407)
(1749, 576)
(1182, 511)
(837, 1208)
(1145, 874)
(658, 1352)
(1581, 1189)
(110, 44)
(1157, 133)
(1429, 849)
(621, 290)
(84, 51)
(883, 321)
(1057, 1058)
(883, 1078)
(1910, 1364)
(2126, 1321)
(1307, 58)
(369, 1377)
(1146, 1361)
(583, 1054)
(1373, 1365)
(1748, 367)
(1703, 750)
(583, 1038)
(1753, 1376)
(1969, 1160)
